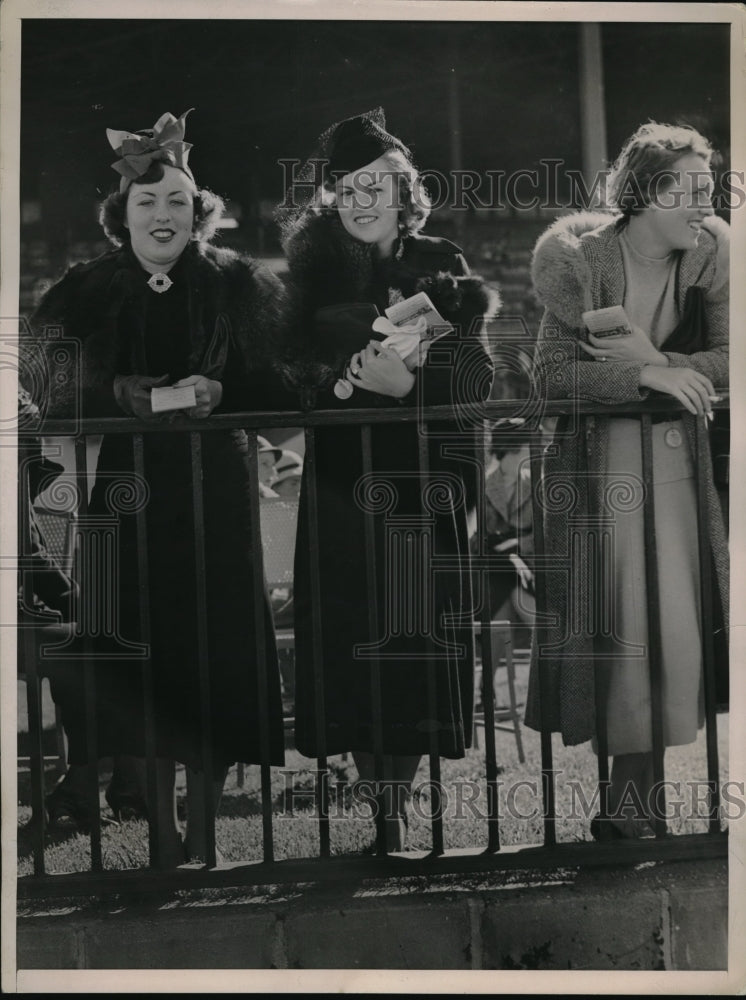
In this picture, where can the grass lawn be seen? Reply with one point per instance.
(239, 823)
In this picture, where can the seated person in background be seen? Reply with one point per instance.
(288, 471)
(507, 527)
(508, 524)
(50, 597)
(286, 481)
(267, 456)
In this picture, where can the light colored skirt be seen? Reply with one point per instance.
(624, 649)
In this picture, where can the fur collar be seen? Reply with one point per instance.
(327, 266)
(577, 263)
(332, 266)
(101, 303)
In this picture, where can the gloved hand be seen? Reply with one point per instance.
(409, 341)
(383, 371)
(132, 393)
(207, 391)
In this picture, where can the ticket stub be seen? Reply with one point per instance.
(172, 397)
(609, 322)
(408, 312)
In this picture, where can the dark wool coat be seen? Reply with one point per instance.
(421, 545)
(125, 328)
(577, 266)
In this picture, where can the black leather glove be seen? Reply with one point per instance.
(132, 393)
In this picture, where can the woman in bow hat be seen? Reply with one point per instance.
(358, 241)
(165, 307)
(662, 255)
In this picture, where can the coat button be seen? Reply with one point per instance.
(672, 437)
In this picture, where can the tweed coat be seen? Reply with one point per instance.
(577, 265)
(425, 516)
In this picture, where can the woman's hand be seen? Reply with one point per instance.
(690, 387)
(132, 393)
(380, 369)
(635, 346)
(207, 391)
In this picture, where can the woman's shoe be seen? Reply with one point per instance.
(126, 805)
(196, 861)
(67, 811)
(605, 829)
(397, 830)
(627, 829)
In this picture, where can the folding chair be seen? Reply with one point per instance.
(502, 652)
(58, 532)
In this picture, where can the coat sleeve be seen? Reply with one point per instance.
(458, 369)
(564, 372)
(307, 377)
(252, 378)
(63, 379)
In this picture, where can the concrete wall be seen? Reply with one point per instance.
(654, 917)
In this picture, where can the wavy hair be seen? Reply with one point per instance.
(646, 163)
(208, 210)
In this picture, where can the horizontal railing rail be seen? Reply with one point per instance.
(491, 855)
(256, 419)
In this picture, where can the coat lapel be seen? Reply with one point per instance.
(609, 290)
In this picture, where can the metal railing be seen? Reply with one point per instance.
(490, 855)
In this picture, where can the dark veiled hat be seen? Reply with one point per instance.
(355, 142)
(344, 147)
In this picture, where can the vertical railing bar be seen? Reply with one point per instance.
(598, 591)
(60, 741)
(489, 666)
(432, 677)
(36, 753)
(322, 787)
(143, 569)
(375, 663)
(207, 819)
(89, 669)
(654, 625)
(257, 564)
(547, 766)
(31, 646)
(706, 624)
(510, 671)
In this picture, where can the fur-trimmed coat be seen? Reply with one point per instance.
(415, 522)
(122, 327)
(101, 304)
(577, 265)
(327, 266)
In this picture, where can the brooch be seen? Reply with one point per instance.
(159, 282)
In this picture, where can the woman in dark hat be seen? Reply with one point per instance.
(358, 242)
(164, 307)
